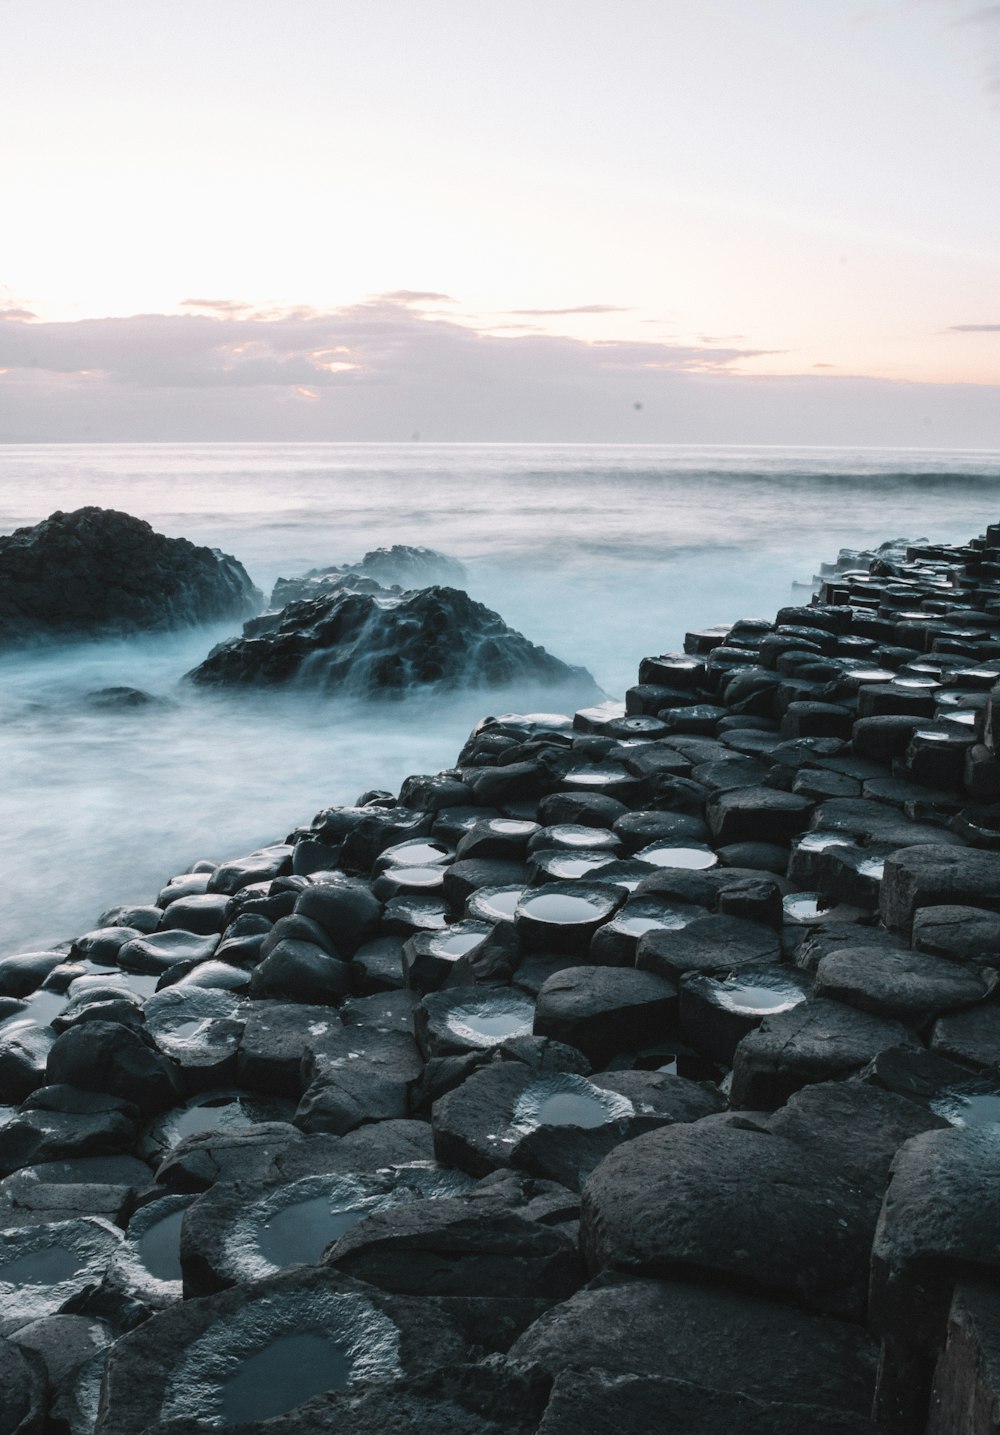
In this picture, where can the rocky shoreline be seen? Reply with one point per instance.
(640, 1072)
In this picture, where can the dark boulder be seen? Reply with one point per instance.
(400, 566)
(728, 1340)
(378, 644)
(97, 571)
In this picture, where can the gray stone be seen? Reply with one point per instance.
(603, 1404)
(795, 1226)
(934, 876)
(709, 944)
(817, 1040)
(729, 1340)
(910, 987)
(969, 935)
(605, 1010)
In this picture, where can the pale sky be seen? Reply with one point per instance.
(758, 220)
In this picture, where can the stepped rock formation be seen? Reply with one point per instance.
(100, 573)
(640, 1072)
(372, 644)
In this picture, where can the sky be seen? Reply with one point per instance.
(735, 221)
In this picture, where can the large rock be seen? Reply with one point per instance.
(794, 1226)
(727, 1340)
(399, 565)
(818, 1040)
(97, 571)
(371, 644)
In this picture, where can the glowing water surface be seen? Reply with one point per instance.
(159, 1248)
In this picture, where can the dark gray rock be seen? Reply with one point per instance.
(43, 1267)
(795, 1226)
(937, 1227)
(717, 1012)
(568, 1154)
(757, 814)
(365, 644)
(461, 1019)
(120, 1060)
(301, 972)
(97, 571)
(480, 1399)
(966, 1389)
(45, 1130)
(710, 944)
(971, 1037)
(478, 1125)
(605, 1404)
(24, 1053)
(727, 1340)
(344, 908)
(969, 935)
(274, 1037)
(817, 1040)
(24, 973)
(22, 1390)
(604, 1010)
(910, 987)
(357, 1075)
(460, 1247)
(934, 876)
(106, 1186)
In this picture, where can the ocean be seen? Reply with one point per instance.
(600, 553)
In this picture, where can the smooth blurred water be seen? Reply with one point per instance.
(600, 553)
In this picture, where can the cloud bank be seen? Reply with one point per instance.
(393, 368)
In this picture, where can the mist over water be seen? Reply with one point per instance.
(601, 554)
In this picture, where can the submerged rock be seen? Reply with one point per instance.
(399, 565)
(97, 572)
(369, 644)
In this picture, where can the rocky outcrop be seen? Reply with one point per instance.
(370, 644)
(399, 566)
(639, 1072)
(99, 573)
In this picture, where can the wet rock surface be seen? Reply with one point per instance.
(383, 642)
(639, 1072)
(99, 572)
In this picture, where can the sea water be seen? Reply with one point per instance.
(600, 553)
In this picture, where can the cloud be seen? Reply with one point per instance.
(416, 296)
(20, 314)
(974, 329)
(219, 306)
(382, 340)
(576, 309)
(383, 369)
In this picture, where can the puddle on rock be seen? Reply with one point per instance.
(805, 907)
(562, 1099)
(692, 859)
(966, 1107)
(492, 1020)
(159, 1248)
(300, 1234)
(748, 998)
(456, 944)
(46, 1267)
(568, 868)
(560, 908)
(494, 904)
(289, 1371)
